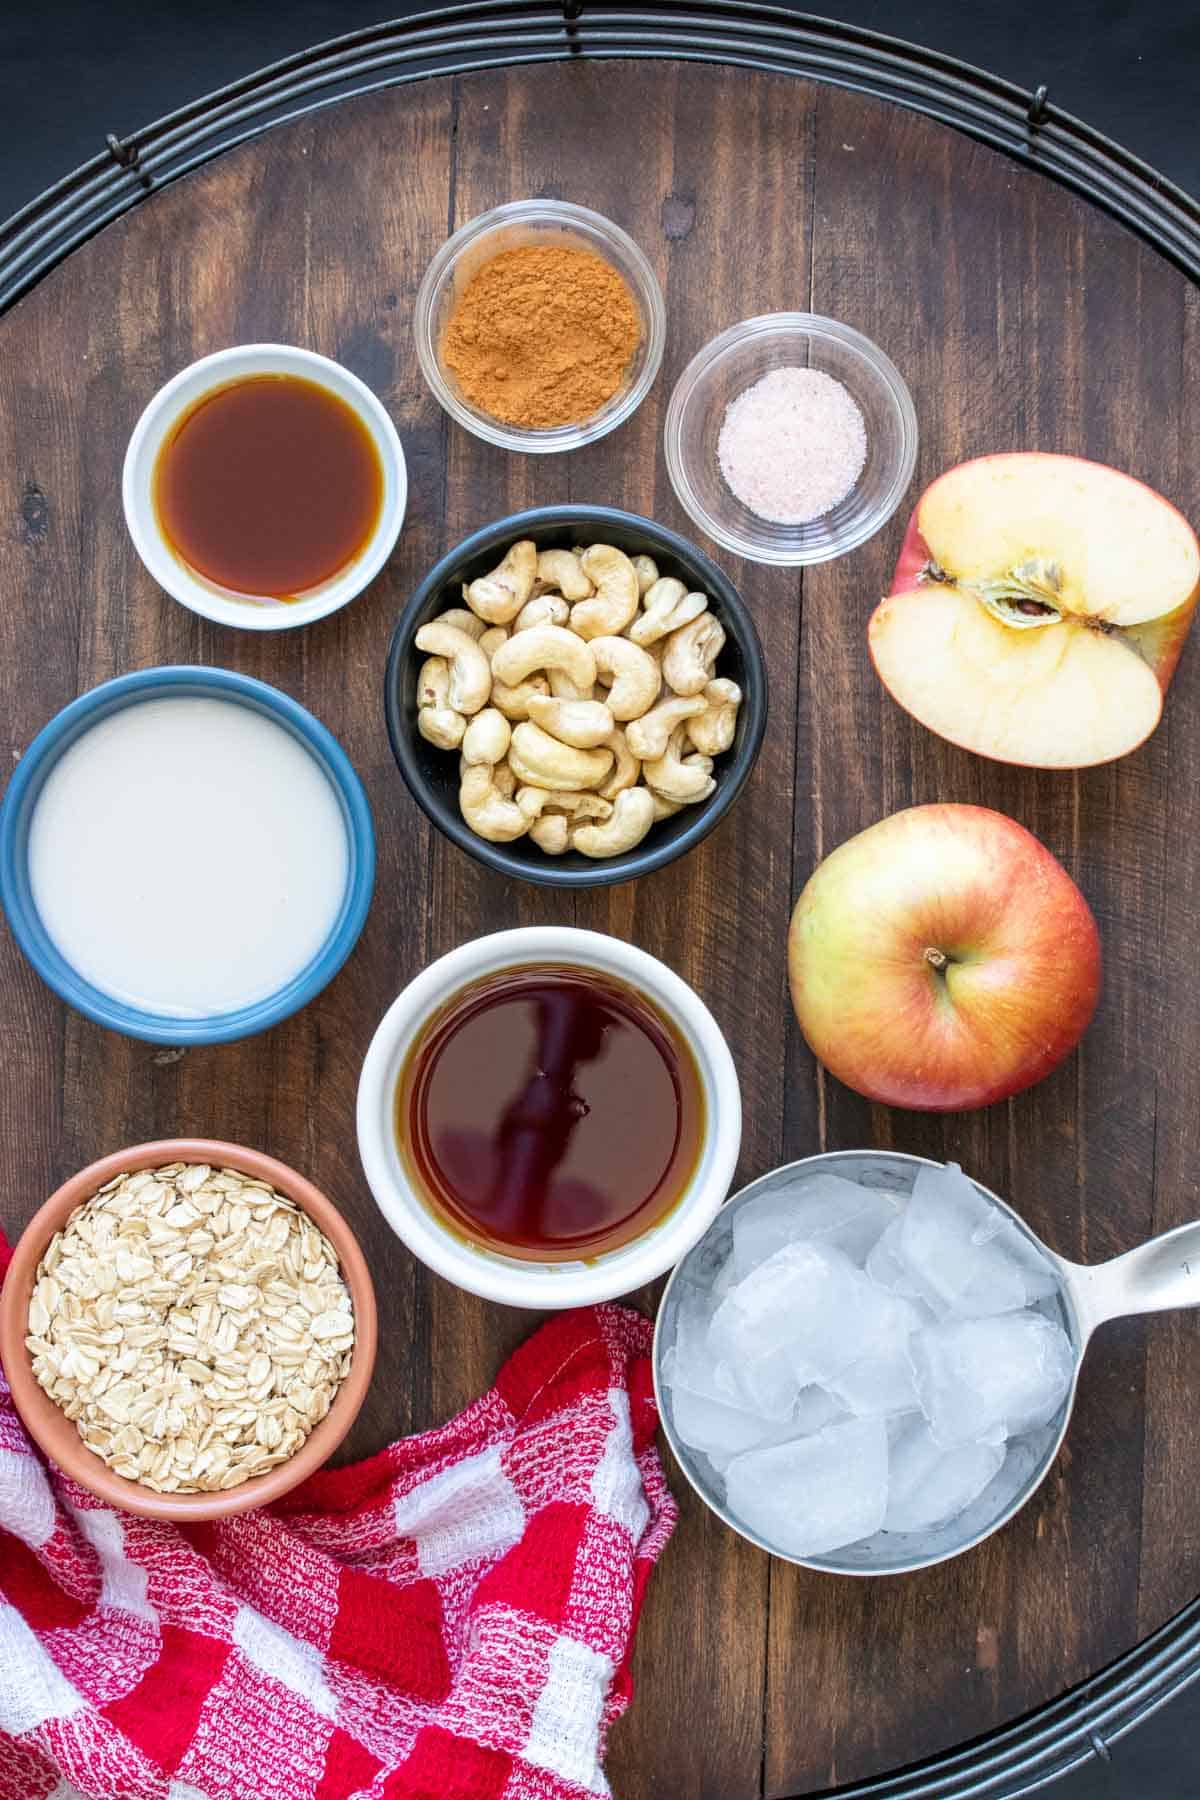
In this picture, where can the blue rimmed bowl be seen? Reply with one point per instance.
(16, 816)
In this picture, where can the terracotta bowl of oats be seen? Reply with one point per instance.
(188, 1328)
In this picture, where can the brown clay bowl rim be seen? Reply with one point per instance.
(56, 1435)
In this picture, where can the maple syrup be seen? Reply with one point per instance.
(269, 486)
(550, 1113)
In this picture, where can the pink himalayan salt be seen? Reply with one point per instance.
(792, 445)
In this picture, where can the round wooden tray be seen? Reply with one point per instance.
(1022, 316)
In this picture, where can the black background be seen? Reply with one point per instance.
(73, 70)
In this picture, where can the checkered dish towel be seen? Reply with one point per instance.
(450, 1620)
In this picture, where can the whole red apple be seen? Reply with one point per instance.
(942, 960)
(1038, 609)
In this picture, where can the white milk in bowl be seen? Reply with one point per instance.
(188, 856)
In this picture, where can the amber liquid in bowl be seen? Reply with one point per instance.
(268, 486)
(550, 1114)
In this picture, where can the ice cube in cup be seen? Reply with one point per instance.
(882, 1383)
(810, 1305)
(965, 1255)
(815, 1493)
(818, 1209)
(981, 1376)
(708, 1407)
(848, 1325)
(887, 1270)
(752, 1328)
(814, 1409)
(929, 1485)
(1040, 1276)
(689, 1362)
(721, 1431)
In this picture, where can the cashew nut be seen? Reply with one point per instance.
(463, 619)
(626, 769)
(667, 607)
(513, 702)
(658, 602)
(536, 802)
(543, 609)
(616, 598)
(437, 722)
(632, 817)
(551, 834)
(563, 688)
(470, 671)
(648, 736)
(583, 723)
(486, 810)
(499, 597)
(545, 647)
(712, 731)
(664, 808)
(491, 639)
(433, 681)
(541, 761)
(503, 778)
(560, 572)
(646, 570)
(679, 777)
(486, 737)
(441, 726)
(688, 659)
(632, 673)
(530, 800)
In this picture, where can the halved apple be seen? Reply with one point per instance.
(1038, 609)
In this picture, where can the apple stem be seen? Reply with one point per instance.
(937, 959)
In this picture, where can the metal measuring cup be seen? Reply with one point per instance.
(1162, 1273)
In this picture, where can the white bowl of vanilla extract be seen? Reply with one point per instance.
(549, 1117)
(264, 486)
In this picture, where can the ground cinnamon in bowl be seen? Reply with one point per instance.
(542, 336)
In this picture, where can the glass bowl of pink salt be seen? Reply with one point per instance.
(791, 439)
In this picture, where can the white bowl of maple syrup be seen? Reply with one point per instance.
(549, 1117)
(264, 487)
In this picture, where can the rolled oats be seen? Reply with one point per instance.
(193, 1323)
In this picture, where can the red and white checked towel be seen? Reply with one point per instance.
(450, 1620)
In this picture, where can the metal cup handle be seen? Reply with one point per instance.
(1155, 1277)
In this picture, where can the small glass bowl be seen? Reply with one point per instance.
(541, 222)
(735, 360)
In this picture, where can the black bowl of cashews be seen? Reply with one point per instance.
(575, 695)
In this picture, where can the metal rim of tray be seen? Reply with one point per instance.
(502, 33)
(1084, 1723)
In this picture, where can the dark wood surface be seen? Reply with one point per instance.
(1021, 318)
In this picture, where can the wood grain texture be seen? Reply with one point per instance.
(1021, 318)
